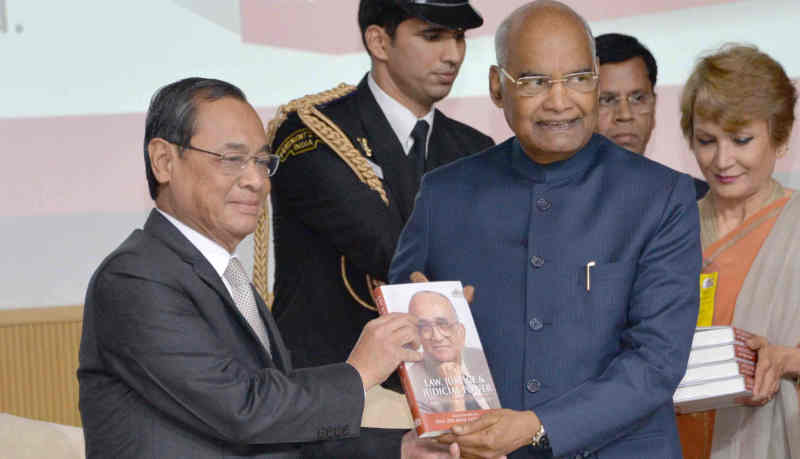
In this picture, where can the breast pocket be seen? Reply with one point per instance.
(602, 293)
(609, 283)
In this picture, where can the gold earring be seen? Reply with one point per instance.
(782, 151)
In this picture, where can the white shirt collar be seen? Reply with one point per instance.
(400, 118)
(217, 256)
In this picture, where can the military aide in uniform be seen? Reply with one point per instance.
(351, 162)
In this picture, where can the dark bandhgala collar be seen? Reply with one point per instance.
(559, 170)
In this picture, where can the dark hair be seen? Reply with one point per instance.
(616, 47)
(383, 13)
(735, 85)
(172, 111)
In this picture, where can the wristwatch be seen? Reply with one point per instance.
(540, 440)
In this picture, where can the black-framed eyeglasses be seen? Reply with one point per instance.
(638, 101)
(445, 327)
(235, 163)
(537, 84)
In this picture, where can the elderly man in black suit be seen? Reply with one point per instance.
(180, 357)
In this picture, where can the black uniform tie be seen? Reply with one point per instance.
(420, 136)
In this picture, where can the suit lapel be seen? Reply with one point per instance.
(441, 147)
(280, 354)
(398, 170)
(161, 228)
(165, 231)
(206, 272)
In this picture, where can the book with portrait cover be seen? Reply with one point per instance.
(452, 384)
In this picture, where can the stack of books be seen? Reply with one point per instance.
(721, 370)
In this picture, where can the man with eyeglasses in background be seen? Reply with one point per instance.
(180, 357)
(627, 98)
(446, 362)
(584, 258)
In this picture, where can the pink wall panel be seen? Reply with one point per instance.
(331, 26)
(479, 112)
(323, 26)
(494, 11)
(667, 144)
(73, 164)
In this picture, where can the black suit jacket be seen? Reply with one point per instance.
(322, 211)
(169, 367)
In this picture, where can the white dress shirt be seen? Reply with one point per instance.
(217, 256)
(400, 118)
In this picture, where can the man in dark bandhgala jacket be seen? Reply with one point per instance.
(585, 259)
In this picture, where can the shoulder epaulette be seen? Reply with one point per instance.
(310, 99)
(329, 132)
(324, 128)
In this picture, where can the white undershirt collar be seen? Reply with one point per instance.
(216, 255)
(400, 118)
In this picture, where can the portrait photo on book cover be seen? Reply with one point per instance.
(454, 374)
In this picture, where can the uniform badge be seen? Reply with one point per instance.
(297, 143)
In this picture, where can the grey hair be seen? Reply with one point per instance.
(501, 35)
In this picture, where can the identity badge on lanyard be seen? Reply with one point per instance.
(708, 290)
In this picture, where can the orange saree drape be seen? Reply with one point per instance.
(731, 257)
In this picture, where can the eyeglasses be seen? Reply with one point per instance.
(445, 327)
(533, 85)
(235, 163)
(639, 102)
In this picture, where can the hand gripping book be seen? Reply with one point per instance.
(452, 384)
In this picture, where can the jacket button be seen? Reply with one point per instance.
(537, 261)
(533, 386)
(535, 324)
(543, 204)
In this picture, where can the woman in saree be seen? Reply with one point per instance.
(737, 111)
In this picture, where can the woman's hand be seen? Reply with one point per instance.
(770, 368)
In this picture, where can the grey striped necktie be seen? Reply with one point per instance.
(245, 301)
